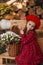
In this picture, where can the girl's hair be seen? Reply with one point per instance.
(26, 29)
(34, 28)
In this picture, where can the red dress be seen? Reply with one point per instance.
(30, 53)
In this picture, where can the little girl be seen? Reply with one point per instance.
(30, 53)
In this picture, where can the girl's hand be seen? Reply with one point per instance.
(21, 31)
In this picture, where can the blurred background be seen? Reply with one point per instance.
(13, 13)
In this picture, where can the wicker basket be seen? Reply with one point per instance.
(14, 49)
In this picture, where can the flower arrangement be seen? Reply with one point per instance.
(9, 38)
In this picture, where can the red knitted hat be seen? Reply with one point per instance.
(34, 19)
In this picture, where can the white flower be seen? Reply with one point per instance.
(9, 37)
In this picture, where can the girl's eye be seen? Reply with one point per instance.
(29, 24)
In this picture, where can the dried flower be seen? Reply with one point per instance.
(5, 9)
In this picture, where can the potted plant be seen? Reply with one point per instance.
(12, 40)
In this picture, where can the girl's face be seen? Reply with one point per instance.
(30, 25)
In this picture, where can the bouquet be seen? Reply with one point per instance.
(9, 38)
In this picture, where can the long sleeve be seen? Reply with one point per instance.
(28, 38)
